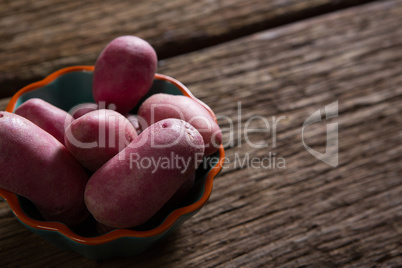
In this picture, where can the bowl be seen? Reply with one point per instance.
(65, 89)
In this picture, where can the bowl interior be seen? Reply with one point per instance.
(73, 88)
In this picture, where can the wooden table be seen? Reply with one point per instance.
(264, 67)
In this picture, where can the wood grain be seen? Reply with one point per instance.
(3, 103)
(309, 213)
(39, 37)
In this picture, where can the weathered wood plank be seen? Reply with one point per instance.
(308, 214)
(3, 103)
(39, 37)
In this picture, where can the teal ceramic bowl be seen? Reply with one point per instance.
(65, 89)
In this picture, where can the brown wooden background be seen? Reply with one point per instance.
(280, 58)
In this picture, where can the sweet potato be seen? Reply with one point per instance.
(124, 72)
(47, 116)
(131, 187)
(97, 136)
(35, 165)
(177, 199)
(162, 106)
(83, 108)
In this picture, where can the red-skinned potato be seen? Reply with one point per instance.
(162, 106)
(131, 187)
(176, 199)
(124, 72)
(97, 136)
(33, 164)
(47, 116)
(83, 108)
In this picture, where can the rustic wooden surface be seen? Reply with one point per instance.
(309, 213)
(39, 37)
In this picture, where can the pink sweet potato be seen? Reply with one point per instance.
(178, 197)
(47, 116)
(33, 164)
(97, 136)
(131, 187)
(83, 108)
(162, 106)
(124, 72)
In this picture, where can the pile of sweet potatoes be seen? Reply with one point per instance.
(121, 168)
